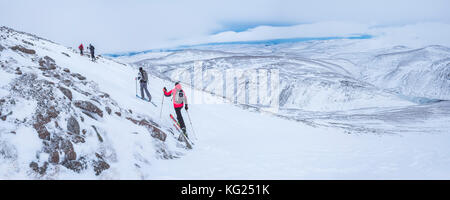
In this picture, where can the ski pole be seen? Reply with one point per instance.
(193, 131)
(162, 103)
(135, 78)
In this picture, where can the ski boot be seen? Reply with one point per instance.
(184, 132)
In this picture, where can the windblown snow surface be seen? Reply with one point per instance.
(349, 109)
(339, 117)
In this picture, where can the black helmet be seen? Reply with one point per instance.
(176, 83)
(140, 68)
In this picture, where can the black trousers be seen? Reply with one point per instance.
(180, 118)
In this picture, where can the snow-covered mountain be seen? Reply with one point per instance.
(423, 72)
(66, 117)
(350, 84)
(63, 116)
(306, 84)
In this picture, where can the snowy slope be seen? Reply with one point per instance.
(386, 136)
(231, 141)
(64, 116)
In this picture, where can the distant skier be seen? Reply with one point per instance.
(81, 48)
(91, 48)
(179, 99)
(143, 79)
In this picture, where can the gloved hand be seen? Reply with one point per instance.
(186, 107)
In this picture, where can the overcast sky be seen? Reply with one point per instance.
(117, 26)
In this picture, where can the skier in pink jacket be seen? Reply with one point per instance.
(179, 100)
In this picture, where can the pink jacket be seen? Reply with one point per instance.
(174, 92)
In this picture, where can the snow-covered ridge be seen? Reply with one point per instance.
(423, 72)
(63, 116)
(304, 82)
(338, 79)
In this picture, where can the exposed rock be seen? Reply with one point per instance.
(104, 95)
(89, 108)
(47, 63)
(92, 99)
(42, 131)
(100, 165)
(49, 60)
(23, 49)
(98, 135)
(155, 131)
(41, 170)
(118, 114)
(83, 92)
(79, 76)
(52, 112)
(1, 48)
(41, 62)
(69, 152)
(26, 42)
(54, 157)
(67, 82)
(66, 92)
(66, 70)
(77, 139)
(57, 125)
(73, 126)
(65, 54)
(75, 165)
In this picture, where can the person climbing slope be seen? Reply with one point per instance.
(91, 48)
(179, 100)
(81, 48)
(143, 79)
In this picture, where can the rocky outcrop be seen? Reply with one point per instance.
(23, 49)
(66, 92)
(79, 76)
(47, 63)
(89, 108)
(151, 126)
(41, 170)
(100, 165)
(57, 101)
(72, 126)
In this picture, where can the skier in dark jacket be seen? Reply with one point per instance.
(179, 99)
(81, 48)
(91, 48)
(143, 79)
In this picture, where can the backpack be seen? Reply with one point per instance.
(144, 76)
(179, 97)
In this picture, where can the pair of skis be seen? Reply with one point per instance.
(178, 128)
(145, 99)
